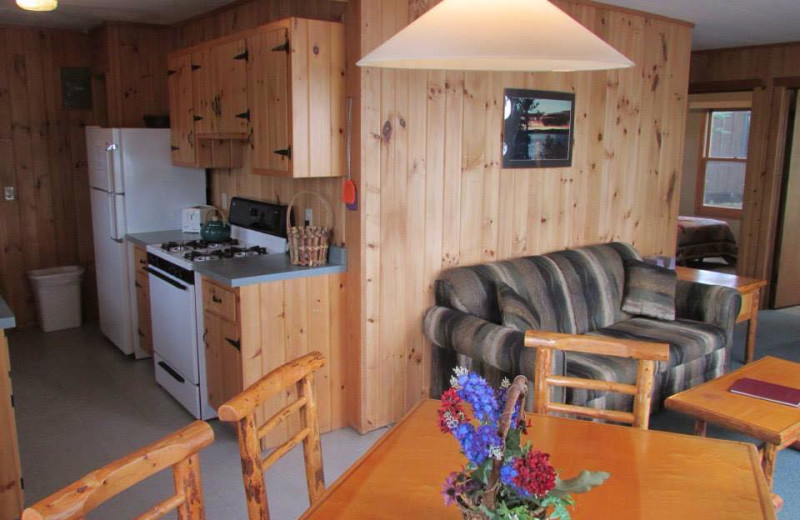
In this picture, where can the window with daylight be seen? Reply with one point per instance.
(720, 180)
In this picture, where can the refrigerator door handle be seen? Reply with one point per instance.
(112, 215)
(112, 183)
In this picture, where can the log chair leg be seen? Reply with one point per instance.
(752, 325)
(768, 462)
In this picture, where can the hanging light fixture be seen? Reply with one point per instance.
(503, 35)
(38, 5)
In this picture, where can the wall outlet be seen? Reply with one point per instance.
(9, 193)
(224, 200)
(309, 216)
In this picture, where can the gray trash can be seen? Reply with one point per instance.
(58, 296)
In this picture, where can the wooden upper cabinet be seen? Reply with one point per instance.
(296, 88)
(268, 74)
(279, 89)
(203, 93)
(182, 139)
(232, 116)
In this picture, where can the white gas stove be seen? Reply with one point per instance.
(257, 228)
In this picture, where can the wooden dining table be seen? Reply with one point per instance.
(654, 475)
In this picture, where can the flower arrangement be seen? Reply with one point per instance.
(503, 479)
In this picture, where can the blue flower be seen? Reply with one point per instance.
(473, 389)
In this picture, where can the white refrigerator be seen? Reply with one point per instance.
(134, 188)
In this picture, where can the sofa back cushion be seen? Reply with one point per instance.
(595, 279)
(536, 279)
(571, 291)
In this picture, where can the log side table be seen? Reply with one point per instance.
(749, 288)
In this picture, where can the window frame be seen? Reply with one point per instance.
(702, 158)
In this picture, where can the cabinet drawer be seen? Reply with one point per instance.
(219, 301)
(140, 260)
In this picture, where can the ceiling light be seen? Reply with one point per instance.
(38, 5)
(509, 35)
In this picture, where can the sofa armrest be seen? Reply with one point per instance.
(483, 341)
(713, 304)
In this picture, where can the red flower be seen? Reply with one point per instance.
(450, 410)
(535, 475)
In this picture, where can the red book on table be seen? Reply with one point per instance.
(768, 391)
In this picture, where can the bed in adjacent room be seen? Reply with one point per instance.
(700, 238)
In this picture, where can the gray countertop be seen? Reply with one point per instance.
(157, 237)
(239, 272)
(7, 320)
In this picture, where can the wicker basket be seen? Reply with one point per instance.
(309, 245)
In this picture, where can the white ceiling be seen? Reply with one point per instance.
(84, 14)
(729, 23)
(718, 23)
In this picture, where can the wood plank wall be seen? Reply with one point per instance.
(241, 181)
(770, 66)
(43, 155)
(132, 58)
(434, 195)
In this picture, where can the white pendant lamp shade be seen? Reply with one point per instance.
(502, 35)
(38, 5)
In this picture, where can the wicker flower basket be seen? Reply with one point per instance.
(309, 245)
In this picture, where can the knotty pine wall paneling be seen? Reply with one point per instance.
(42, 155)
(434, 195)
(132, 59)
(770, 67)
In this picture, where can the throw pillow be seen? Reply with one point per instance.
(516, 312)
(649, 290)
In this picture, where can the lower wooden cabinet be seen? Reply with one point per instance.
(223, 359)
(144, 329)
(252, 330)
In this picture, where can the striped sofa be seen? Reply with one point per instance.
(576, 291)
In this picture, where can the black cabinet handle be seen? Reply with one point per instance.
(244, 115)
(215, 299)
(243, 56)
(198, 118)
(174, 148)
(138, 285)
(237, 344)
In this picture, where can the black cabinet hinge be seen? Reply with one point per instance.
(237, 344)
(12, 400)
(243, 56)
(244, 115)
(171, 72)
(195, 67)
(21, 483)
(284, 47)
(197, 118)
(286, 152)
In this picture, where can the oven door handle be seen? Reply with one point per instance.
(168, 280)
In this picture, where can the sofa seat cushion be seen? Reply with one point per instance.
(690, 344)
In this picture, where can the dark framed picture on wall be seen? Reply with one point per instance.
(537, 128)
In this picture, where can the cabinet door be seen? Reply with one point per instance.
(223, 359)
(203, 93)
(145, 327)
(268, 77)
(230, 81)
(181, 110)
